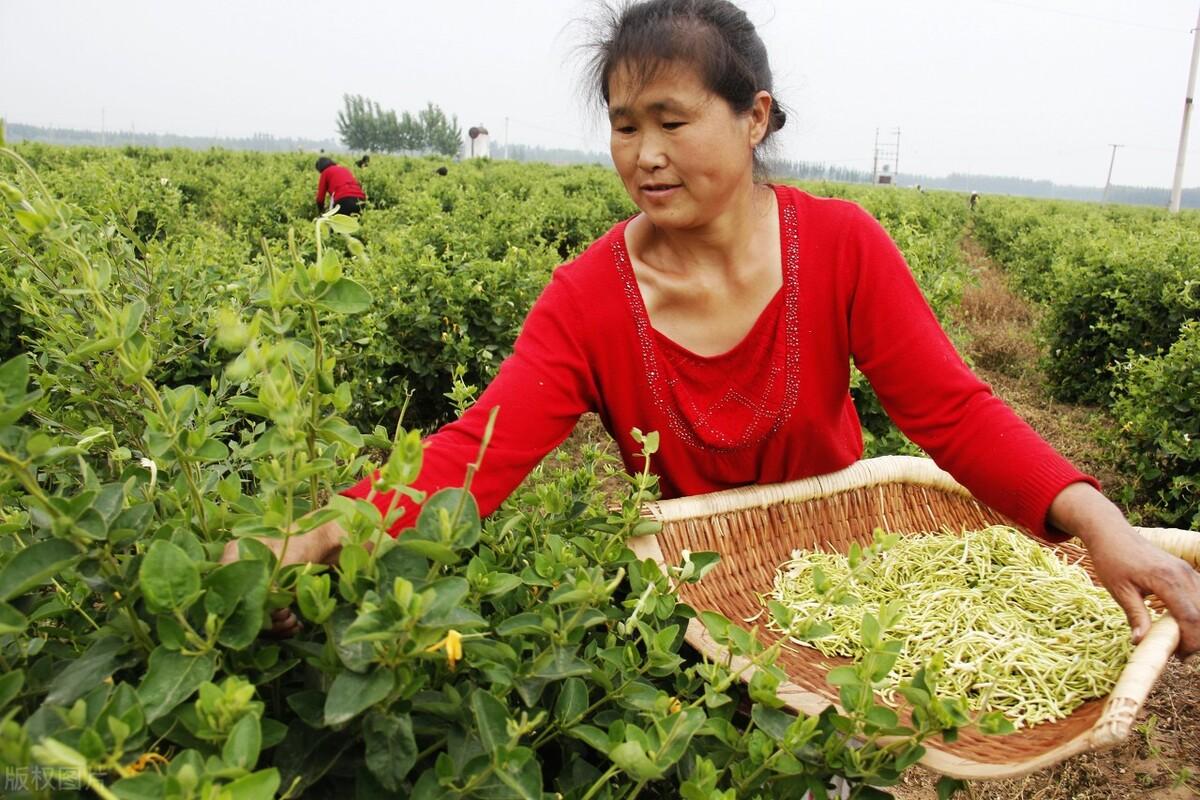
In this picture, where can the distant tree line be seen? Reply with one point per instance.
(551, 155)
(364, 125)
(1026, 187)
(259, 142)
(816, 171)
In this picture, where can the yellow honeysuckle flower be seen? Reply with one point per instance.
(453, 646)
(143, 761)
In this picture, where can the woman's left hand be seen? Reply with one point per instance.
(1129, 566)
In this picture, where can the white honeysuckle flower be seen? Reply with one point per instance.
(150, 465)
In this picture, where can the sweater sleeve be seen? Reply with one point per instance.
(934, 398)
(322, 188)
(541, 390)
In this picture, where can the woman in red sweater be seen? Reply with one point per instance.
(339, 182)
(724, 316)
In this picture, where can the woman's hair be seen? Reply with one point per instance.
(715, 37)
(324, 163)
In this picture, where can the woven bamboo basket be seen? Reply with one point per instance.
(755, 529)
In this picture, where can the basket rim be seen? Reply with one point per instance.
(861, 474)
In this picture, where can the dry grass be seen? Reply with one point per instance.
(1004, 352)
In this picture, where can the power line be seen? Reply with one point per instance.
(1077, 14)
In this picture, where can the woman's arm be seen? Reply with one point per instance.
(541, 391)
(1129, 566)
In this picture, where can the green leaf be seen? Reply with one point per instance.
(995, 723)
(448, 593)
(843, 676)
(680, 728)
(338, 430)
(211, 450)
(172, 678)
(170, 579)
(147, 786)
(703, 562)
(256, 786)
(465, 532)
(883, 717)
(391, 748)
(717, 625)
(353, 693)
(501, 583)
(632, 758)
(523, 624)
(522, 775)
(85, 673)
(345, 297)
(242, 589)
(244, 742)
(870, 632)
(343, 223)
(595, 737)
(491, 721)
(10, 686)
(559, 663)
(11, 620)
(434, 551)
(572, 701)
(35, 565)
(947, 787)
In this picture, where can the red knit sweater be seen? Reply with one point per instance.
(774, 408)
(339, 182)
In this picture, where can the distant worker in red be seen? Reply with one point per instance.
(338, 181)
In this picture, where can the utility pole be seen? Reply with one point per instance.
(1108, 181)
(1177, 186)
(875, 164)
(506, 138)
(103, 136)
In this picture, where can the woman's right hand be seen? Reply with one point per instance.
(321, 545)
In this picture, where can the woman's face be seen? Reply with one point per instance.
(680, 150)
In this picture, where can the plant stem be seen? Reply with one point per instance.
(600, 782)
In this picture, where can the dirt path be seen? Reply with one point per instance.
(1161, 760)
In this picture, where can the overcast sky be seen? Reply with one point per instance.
(1032, 88)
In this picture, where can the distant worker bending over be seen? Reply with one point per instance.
(338, 181)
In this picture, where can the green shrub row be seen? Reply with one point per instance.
(455, 261)
(1120, 292)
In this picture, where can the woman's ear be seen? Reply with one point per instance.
(760, 117)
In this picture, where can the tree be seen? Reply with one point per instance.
(410, 135)
(442, 134)
(363, 125)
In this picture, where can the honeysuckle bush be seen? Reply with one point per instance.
(1120, 289)
(1111, 280)
(1157, 415)
(527, 655)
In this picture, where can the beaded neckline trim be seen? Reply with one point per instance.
(764, 422)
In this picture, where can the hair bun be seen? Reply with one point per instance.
(778, 116)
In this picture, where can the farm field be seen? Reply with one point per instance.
(187, 357)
